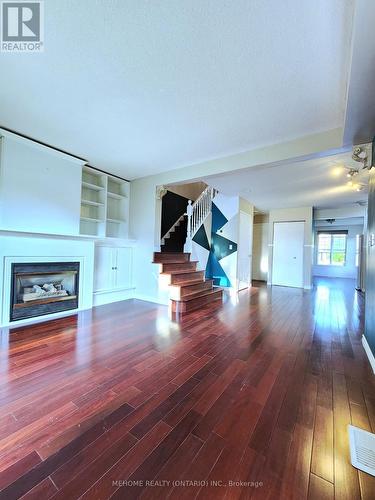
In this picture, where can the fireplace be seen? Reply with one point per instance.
(42, 288)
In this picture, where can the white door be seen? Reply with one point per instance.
(287, 260)
(123, 267)
(260, 251)
(245, 244)
(104, 265)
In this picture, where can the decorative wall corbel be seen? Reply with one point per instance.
(160, 192)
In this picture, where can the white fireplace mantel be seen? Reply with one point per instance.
(26, 248)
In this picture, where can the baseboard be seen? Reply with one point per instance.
(148, 298)
(102, 298)
(369, 353)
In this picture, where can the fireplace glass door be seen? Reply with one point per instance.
(43, 288)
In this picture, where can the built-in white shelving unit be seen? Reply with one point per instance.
(104, 205)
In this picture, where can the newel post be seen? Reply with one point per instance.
(188, 242)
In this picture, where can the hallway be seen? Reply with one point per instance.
(260, 390)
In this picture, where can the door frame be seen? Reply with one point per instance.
(247, 284)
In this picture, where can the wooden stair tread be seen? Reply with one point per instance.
(184, 288)
(187, 282)
(169, 261)
(184, 306)
(181, 271)
(201, 293)
(170, 257)
(191, 263)
(205, 281)
(190, 290)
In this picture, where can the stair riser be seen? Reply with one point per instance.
(181, 266)
(160, 258)
(178, 292)
(181, 278)
(197, 303)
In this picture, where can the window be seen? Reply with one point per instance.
(332, 248)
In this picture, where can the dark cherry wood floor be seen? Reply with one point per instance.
(251, 399)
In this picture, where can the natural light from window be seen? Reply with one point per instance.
(357, 249)
(332, 249)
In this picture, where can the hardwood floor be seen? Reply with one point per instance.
(248, 400)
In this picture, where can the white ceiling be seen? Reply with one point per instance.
(320, 182)
(140, 87)
(350, 221)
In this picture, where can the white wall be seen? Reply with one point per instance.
(245, 244)
(145, 209)
(292, 215)
(40, 189)
(339, 213)
(349, 270)
(260, 247)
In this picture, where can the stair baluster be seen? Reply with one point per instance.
(197, 213)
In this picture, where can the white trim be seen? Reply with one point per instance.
(107, 240)
(149, 298)
(7, 277)
(113, 290)
(369, 353)
(172, 229)
(41, 147)
(102, 298)
(41, 319)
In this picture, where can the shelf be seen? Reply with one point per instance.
(115, 221)
(92, 203)
(116, 196)
(91, 219)
(92, 171)
(95, 187)
(104, 205)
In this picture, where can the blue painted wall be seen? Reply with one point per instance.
(220, 247)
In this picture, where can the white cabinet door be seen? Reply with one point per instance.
(123, 266)
(105, 262)
(287, 260)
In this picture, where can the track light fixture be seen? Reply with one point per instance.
(363, 154)
(352, 173)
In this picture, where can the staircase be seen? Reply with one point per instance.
(188, 288)
(174, 239)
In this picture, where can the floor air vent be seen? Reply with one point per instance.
(362, 449)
